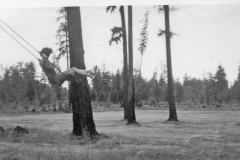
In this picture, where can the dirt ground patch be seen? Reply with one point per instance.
(198, 135)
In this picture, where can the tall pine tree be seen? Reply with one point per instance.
(83, 123)
(221, 84)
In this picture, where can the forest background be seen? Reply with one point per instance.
(23, 85)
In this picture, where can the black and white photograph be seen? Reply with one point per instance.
(124, 80)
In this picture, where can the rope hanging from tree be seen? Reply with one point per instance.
(26, 42)
(19, 36)
(18, 42)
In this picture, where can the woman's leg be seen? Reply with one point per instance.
(73, 70)
(90, 72)
(81, 72)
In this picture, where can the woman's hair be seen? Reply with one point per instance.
(46, 51)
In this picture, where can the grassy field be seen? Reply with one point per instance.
(199, 135)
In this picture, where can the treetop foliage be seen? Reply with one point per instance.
(62, 36)
(116, 35)
(163, 32)
(111, 8)
(144, 33)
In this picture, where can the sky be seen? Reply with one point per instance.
(207, 35)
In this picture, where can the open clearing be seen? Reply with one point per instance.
(198, 135)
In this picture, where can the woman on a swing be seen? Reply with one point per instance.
(58, 78)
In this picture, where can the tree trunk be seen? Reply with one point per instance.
(131, 117)
(207, 100)
(67, 55)
(141, 65)
(118, 93)
(83, 123)
(171, 100)
(3, 98)
(207, 93)
(220, 101)
(125, 68)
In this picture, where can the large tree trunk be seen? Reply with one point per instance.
(131, 118)
(83, 123)
(125, 68)
(171, 100)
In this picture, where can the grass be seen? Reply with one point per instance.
(54, 145)
(198, 135)
(41, 137)
(57, 145)
(15, 154)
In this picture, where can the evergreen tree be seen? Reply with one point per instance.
(144, 37)
(179, 93)
(131, 117)
(154, 89)
(171, 101)
(235, 88)
(29, 75)
(220, 85)
(209, 87)
(83, 123)
(106, 82)
(62, 36)
(193, 89)
(17, 83)
(40, 90)
(238, 77)
(46, 95)
(117, 34)
(30, 91)
(97, 85)
(143, 94)
(6, 86)
(102, 85)
(186, 80)
(118, 84)
(163, 86)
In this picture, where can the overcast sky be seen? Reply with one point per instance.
(207, 35)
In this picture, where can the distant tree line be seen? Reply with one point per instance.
(20, 86)
(211, 90)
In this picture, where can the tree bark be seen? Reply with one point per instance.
(67, 55)
(171, 100)
(125, 59)
(131, 117)
(141, 64)
(83, 123)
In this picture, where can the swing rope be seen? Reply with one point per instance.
(27, 43)
(19, 36)
(18, 42)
